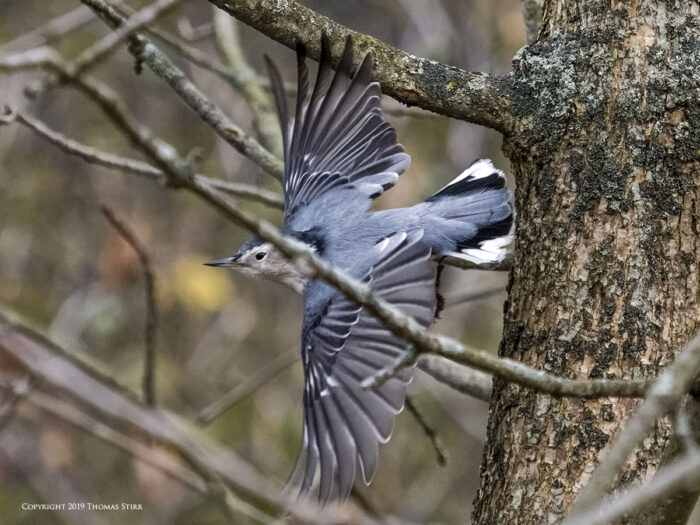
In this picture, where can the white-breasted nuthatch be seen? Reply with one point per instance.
(339, 154)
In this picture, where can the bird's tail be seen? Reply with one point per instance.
(477, 214)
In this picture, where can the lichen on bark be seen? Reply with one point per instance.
(605, 280)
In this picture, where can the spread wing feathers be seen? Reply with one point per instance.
(337, 137)
(343, 423)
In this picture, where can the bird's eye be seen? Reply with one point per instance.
(260, 256)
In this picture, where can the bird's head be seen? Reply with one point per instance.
(259, 258)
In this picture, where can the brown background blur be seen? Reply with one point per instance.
(64, 267)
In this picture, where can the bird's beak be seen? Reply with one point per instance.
(229, 261)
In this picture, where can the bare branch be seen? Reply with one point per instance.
(474, 97)
(109, 43)
(52, 29)
(239, 189)
(238, 74)
(461, 378)
(193, 54)
(428, 430)
(162, 154)
(505, 368)
(675, 508)
(147, 53)
(14, 393)
(247, 83)
(54, 372)
(40, 57)
(153, 456)
(107, 160)
(194, 34)
(684, 431)
(247, 387)
(149, 357)
(206, 110)
(682, 475)
(179, 175)
(664, 394)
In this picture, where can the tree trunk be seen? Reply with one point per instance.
(605, 279)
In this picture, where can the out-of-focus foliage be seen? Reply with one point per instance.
(62, 266)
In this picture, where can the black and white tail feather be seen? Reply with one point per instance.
(488, 244)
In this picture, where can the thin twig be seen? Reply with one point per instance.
(664, 394)
(108, 44)
(57, 27)
(429, 431)
(146, 453)
(246, 82)
(247, 387)
(147, 53)
(54, 371)
(149, 360)
(108, 160)
(14, 393)
(683, 474)
(194, 55)
(98, 51)
(684, 430)
(194, 34)
(461, 378)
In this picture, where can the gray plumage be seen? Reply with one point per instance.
(339, 155)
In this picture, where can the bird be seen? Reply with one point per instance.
(340, 155)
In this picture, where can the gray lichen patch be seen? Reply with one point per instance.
(605, 284)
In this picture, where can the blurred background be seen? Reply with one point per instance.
(64, 267)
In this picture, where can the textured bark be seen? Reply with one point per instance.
(605, 278)
(675, 510)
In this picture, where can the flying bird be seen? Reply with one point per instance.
(339, 155)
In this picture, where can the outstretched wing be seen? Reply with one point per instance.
(337, 137)
(341, 346)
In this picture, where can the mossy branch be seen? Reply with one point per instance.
(415, 81)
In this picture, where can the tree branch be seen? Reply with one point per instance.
(474, 97)
(98, 51)
(147, 53)
(680, 476)
(107, 160)
(247, 83)
(664, 394)
(429, 431)
(149, 357)
(675, 508)
(54, 372)
(309, 263)
(461, 378)
(247, 387)
(52, 29)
